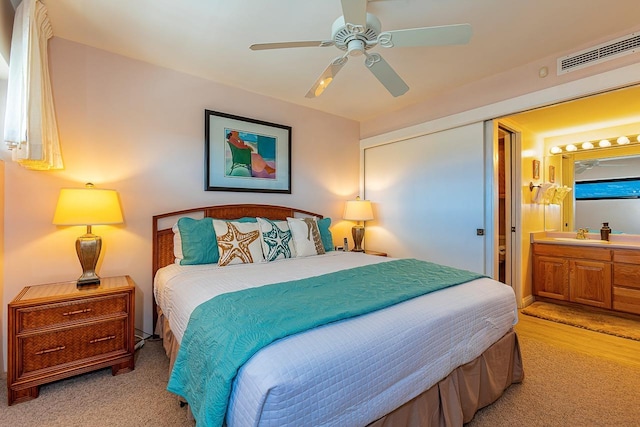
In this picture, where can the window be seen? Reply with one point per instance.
(619, 188)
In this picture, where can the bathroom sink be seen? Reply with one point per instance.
(581, 241)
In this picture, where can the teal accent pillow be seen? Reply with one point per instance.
(243, 219)
(199, 244)
(325, 234)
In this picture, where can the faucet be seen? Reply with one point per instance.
(582, 233)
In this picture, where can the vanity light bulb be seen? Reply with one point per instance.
(557, 150)
(623, 140)
(571, 147)
(587, 145)
(638, 138)
(604, 143)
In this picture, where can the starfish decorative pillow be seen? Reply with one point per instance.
(306, 236)
(277, 240)
(238, 242)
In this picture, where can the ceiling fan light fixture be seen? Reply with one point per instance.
(356, 47)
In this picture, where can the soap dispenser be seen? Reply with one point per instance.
(605, 231)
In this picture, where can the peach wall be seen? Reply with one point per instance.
(512, 83)
(3, 96)
(139, 129)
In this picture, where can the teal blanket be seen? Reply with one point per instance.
(224, 332)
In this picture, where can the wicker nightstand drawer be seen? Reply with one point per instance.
(48, 350)
(59, 330)
(52, 315)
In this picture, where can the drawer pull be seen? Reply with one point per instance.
(71, 313)
(110, 337)
(50, 350)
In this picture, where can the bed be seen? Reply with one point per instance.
(432, 360)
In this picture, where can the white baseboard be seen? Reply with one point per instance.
(527, 301)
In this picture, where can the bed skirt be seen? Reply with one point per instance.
(451, 402)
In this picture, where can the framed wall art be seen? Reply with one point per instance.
(536, 169)
(244, 154)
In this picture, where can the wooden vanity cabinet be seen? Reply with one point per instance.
(573, 273)
(551, 277)
(590, 283)
(626, 280)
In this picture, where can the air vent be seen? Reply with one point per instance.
(607, 51)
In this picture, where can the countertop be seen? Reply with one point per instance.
(622, 241)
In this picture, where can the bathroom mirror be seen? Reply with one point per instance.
(603, 190)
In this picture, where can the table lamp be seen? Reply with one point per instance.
(358, 210)
(88, 206)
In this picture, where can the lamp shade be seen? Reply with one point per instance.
(358, 210)
(87, 206)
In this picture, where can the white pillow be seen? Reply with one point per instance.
(177, 244)
(277, 240)
(306, 236)
(238, 242)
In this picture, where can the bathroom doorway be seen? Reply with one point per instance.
(506, 215)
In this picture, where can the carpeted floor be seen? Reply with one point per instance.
(98, 399)
(561, 388)
(585, 318)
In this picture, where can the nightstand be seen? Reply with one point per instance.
(58, 330)
(375, 253)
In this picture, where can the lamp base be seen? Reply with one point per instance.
(88, 248)
(87, 281)
(357, 232)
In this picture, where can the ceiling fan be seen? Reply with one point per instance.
(585, 165)
(357, 31)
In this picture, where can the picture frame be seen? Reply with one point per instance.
(243, 154)
(552, 174)
(536, 169)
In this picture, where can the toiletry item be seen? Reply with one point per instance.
(605, 231)
(345, 246)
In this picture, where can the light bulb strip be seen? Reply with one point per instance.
(594, 145)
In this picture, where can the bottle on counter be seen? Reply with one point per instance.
(605, 231)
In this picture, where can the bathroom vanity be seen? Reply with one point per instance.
(597, 273)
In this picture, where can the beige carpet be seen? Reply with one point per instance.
(586, 319)
(561, 388)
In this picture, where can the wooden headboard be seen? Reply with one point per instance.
(163, 235)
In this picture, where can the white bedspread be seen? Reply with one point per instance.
(352, 372)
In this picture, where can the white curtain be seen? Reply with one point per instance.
(30, 128)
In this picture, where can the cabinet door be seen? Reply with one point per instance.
(591, 283)
(551, 277)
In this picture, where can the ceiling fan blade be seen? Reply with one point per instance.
(427, 36)
(327, 76)
(355, 12)
(385, 74)
(286, 45)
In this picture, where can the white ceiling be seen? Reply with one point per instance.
(211, 38)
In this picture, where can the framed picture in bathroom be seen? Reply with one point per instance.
(552, 174)
(536, 169)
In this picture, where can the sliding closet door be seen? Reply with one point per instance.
(428, 197)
